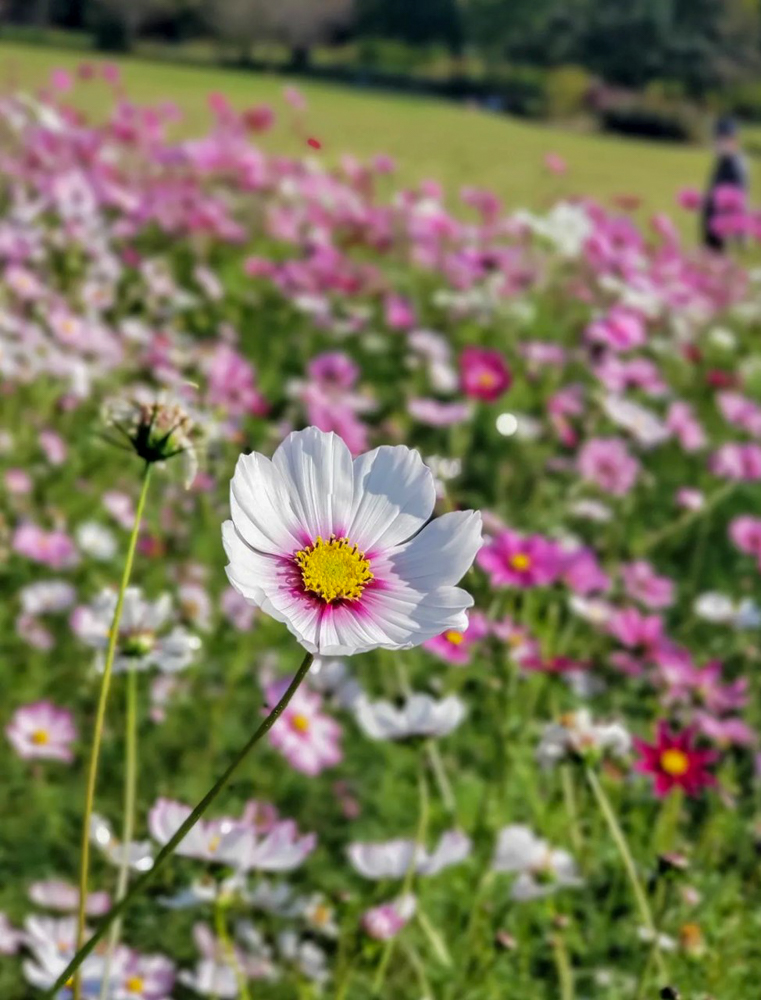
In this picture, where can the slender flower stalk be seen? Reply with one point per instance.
(563, 967)
(420, 834)
(128, 826)
(619, 838)
(169, 848)
(105, 686)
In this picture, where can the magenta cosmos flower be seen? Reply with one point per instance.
(514, 561)
(42, 732)
(674, 762)
(484, 374)
(341, 550)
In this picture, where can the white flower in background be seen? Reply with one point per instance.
(719, 609)
(665, 943)
(591, 609)
(308, 957)
(721, 337)
(96, 541)
(419, 716)
(143, 638)
(577, 736)
(235, 843)
(340, 549)
(332, 678)
(319, 915)
(748, 614)
(47, 597)
(541, 869)
(644, 426)
(138, 853)
(394, 858)
(591, 510)
(566, 226)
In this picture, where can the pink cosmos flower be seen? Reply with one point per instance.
(674, 762)
(643, 584)
(237, 609)
(51, 548)
(583, 574)
(232, 383)
(636, 631)
(55, 894)
(745, 532)
(725, 731)
(555, 163)
(484, 374)
(514, 560)
(690, 199)
(10, 938)
(689, 499)
(608, 463)
(17, 482)
(684, 425)
(740, 462)
(120, 507)
(399, 313)
(309, 739)
(385, 921)
(457, 647)
(333, 370)
(42, 731)
(54, 447)
(740, 411)
(437, 414)
(621, 330)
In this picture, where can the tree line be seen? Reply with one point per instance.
(700, 45)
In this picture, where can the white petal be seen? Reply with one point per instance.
(394, 496)
(317, 468)
(264, 510)
(441, 554)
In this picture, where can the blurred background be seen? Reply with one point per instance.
(654, 70)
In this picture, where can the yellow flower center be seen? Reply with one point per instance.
(487, 380)
(675, 762)
(135, 984)
(520, 561)
(456, 638)
(300, 722)
(40, 737)
(334, 569)
(320, 915)
(214, 844)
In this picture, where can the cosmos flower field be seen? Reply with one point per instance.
(471, 494)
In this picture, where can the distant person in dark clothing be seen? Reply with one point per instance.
(730, 171)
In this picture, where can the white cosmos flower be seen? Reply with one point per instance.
(138, 853)
(340, 549)
(420, 715)
(645, 426)
(715, 607)
(541, 869)
(577, 735)
(394, 858)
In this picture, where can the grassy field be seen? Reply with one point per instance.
(429, 138)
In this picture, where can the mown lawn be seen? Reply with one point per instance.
(429, 138)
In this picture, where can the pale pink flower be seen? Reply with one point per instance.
(55, 894)
(437, 414)
(385, 921)
(51, 548)
(54, 447)
(120, 507)
(18, 482)
(309, 739)
(740, 462)
(608, 463)
(745, 532)
(621, 330)
(643, 584)
(42, 731)
(685, 426)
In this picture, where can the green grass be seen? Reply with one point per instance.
(428, 137)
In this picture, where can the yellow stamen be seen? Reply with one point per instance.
(214, 844)
(40, 737)
(520, 561)
(675, 762)
(456, 638)
(300, 722)
(334, 570)
(135, 984)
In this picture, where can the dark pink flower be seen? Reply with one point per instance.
(484, 374)
(608, 463)
(674, 762)
(512, 560)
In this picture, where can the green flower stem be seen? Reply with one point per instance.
(674, 527)
(563, 967)
(619, 838)
(105, 686)
(571, 806)
(169, 848)
(409, 878)
(220, 922)
(128, 825)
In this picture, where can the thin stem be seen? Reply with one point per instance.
(409, 877)
(441, 777)
(169, 847)
(569, 795)
(128, 825)
(631, 869)
(105, 685)
(220, 920)
(563, 967)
